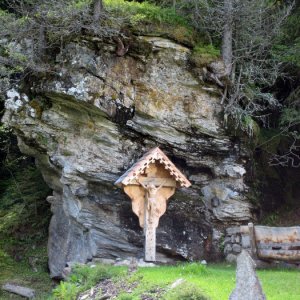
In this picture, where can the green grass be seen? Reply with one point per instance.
(138, 12)
(83, 278)
(214, 282)
(24, 218)
(218, 281)
(280, 284)
(20, 272)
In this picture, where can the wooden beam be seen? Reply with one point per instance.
(267, 234)
(167, 182)
(252, 240)
(150, 235)
(285, 255)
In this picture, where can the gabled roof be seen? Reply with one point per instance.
(150, 157)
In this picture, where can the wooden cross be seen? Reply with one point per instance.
(150, 183)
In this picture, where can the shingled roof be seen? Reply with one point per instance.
(150, 157)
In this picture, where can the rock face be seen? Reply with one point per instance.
(248, 286)
(91, 121)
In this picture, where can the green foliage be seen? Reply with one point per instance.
(249, 126)
(204, 54)
(207, 49)
(20, 271)
(66, 291)
(186, 291)
(271, 219)
(87, 276)
(140, 12)
(287, 47)
(23, 203)
(288, 53)
(290, 116)
(24, 217)
(147, 18)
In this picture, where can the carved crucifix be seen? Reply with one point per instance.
(150, 183)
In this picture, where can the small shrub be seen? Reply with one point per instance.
(186, 291)
(65, 291)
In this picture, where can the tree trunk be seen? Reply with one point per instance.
(227, 36)
(97, 10)
(42, 43)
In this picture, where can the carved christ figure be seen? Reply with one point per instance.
(151, 194)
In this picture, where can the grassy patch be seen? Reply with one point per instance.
(24, 217)
(186, 291)
(200, 282)
(145, 12)
(19, 271)
(150, 19)
(204, 54)
(83, 278)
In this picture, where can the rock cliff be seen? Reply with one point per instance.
(95, 116)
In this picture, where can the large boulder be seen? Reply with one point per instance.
(92, 120)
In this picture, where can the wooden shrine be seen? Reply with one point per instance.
(149, 183)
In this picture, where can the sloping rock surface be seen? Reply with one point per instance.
(96, 116)
(248, 286)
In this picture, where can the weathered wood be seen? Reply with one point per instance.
(244, 229)
(277, 234)
(278, 246)
(19, 290)
(286, 255)
(252, 240)
(150, 237)
(167, 182)
(149, 208)
(277, 243)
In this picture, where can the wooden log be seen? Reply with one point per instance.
(252, 240)
(285, 255)
(278, 246)
(267, 234)
(274, 243)
(167, 182)
(19, 290)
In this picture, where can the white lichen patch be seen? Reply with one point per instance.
(183, 251)
(32, 112)
(15, 100)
